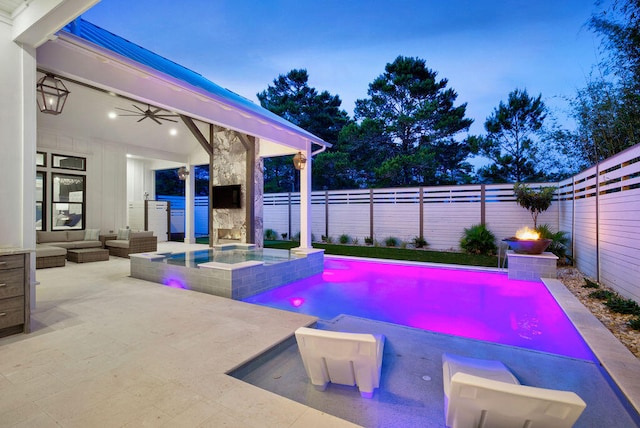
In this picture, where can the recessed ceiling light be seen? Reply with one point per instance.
(112, 115)
(173, 131)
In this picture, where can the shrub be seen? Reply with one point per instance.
(590, 284)
(419, 242)
(634, 323)
(601, 294)
(344, 239)
(478, 240)
(622, 306)
(270, 235)
(355, 241)
(284, 236)
(391, 241)
(327, 239)
(559, 241)
(368, 240)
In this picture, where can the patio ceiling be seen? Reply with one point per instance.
(72, 57)
(86, 116)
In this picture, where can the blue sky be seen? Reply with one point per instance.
(484, 48)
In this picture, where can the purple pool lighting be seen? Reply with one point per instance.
(473, 304)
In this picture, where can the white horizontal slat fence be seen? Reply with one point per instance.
(610, 249)
(439, 214)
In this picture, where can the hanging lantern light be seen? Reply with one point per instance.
(299, 161)
(51, 94)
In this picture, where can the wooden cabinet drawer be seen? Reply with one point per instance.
(11, 262)
(11, 312)
(11, 283)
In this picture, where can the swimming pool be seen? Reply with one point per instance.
(474, 304)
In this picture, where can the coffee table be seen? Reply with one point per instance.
(85, 255)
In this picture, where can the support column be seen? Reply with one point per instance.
(305, 201)
(189, 207)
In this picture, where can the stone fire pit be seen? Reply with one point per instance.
(528, 246)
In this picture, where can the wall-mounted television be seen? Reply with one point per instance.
(226, 196)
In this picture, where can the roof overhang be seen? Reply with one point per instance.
(75, 58)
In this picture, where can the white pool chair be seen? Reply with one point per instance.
(484, 393)
(343, 358)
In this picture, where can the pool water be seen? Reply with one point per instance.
(194, 258)
(473, 304)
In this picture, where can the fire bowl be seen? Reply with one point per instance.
(528, 246)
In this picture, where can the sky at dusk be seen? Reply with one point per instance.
(485, 49)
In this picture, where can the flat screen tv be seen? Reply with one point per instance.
(226, 196)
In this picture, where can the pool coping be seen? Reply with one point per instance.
(622, 366)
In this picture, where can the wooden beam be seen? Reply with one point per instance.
(190, 124)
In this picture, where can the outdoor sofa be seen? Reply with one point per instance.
(130, 242)
(52, 246)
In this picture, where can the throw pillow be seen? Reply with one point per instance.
(123, 234)
(91, 234)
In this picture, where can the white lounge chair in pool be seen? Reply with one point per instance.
(484, 393)
(343, 358)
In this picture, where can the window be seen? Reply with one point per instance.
(67, 201)
(69, 162)
(41, 159)
(41, 216)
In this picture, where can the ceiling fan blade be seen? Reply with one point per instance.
(155, 120)
(169, 120)
(124, 109)
(165, 116)
(141, 119)
(141, 111)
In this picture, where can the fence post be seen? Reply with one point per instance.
(289, 220)
(483, 207)
(326, 213)
(421, 214)
(371, 214)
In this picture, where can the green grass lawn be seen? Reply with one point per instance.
(395, 253)
(391, 253)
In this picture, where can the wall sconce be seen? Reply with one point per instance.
(51, 94)
(183, 173)
(299, 161)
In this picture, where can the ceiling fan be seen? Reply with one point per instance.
(152, 112)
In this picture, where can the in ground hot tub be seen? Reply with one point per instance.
(235, 271)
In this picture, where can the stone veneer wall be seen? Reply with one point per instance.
(229, 167)
(258, 211)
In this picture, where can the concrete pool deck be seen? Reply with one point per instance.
(110, 350)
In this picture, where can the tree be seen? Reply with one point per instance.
(606, 123)
(291, 98)
(509, 142)
(414, 111)
(619, 28)
(535, 201)
(607, 110)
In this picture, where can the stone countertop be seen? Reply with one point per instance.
(14, 250)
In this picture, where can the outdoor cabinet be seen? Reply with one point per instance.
(15, 311)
